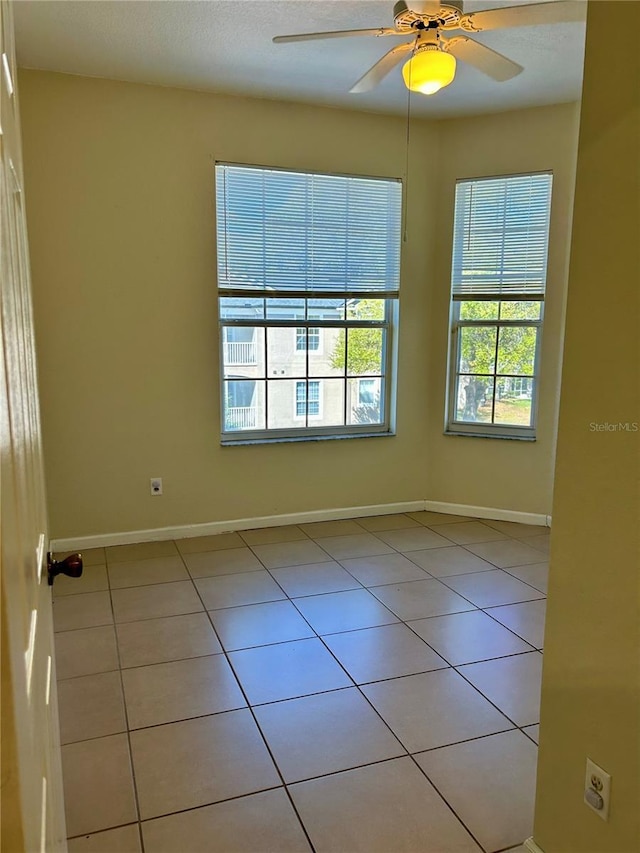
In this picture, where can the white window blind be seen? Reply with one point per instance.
(500, 239)
(284, 233)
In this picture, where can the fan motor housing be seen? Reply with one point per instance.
(447, 17)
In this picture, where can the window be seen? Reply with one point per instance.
(308, 339)
(498, 280)
(308, 403)
(366, 392)
(308, 283)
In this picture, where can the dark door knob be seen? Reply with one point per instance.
(71, 566)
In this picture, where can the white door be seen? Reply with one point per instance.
(32, 802)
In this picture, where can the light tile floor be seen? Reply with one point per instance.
(365, 685)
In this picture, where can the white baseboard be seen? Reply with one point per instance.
(532, 847)
(188, 531)
(495, 514)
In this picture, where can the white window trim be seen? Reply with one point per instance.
(482, 429)
(531, 292)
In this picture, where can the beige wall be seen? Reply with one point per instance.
(478, 471)
(121, 207)
(121, 217)
(591, 677)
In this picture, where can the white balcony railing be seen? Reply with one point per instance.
(241, 417)
(240, 352)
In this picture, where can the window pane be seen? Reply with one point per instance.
(243, 352)
(517, 349)
(328, 359)
(285, 309)
(286, 398)
(364, 401)
(241, 308)
(477, 349)
(313, 398)
(514, 401)
(520, 310)
(301, 399)
(364, 351)
(479, 310)
(474, 399)
(313, 339)
(284, 359)
(325, 309)
(331, 403)
(365, 309)
(243, 405)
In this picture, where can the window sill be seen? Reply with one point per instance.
(488, 435)
(295, 439)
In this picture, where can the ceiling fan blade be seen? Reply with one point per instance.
(489, 61)
(380, 31)
(561, 12)
(379, 71)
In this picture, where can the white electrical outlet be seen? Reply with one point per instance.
(156, 485)
(597, 789)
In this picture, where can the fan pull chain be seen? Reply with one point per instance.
(405, 199)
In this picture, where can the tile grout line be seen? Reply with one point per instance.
(513, 631)
(447, 803)
(126, 720)
(283, 542)
(208, 805)
(466, 663)
(453, 589)
(255, 721)
(135, 823)
(477, 689)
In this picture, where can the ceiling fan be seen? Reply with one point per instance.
(432, 62)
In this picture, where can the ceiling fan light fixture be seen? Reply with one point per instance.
(429, 70)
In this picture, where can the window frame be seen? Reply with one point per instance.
(387, 294)
(482, 429)
(386, 427)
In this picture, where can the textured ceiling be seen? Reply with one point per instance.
(225, 46)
